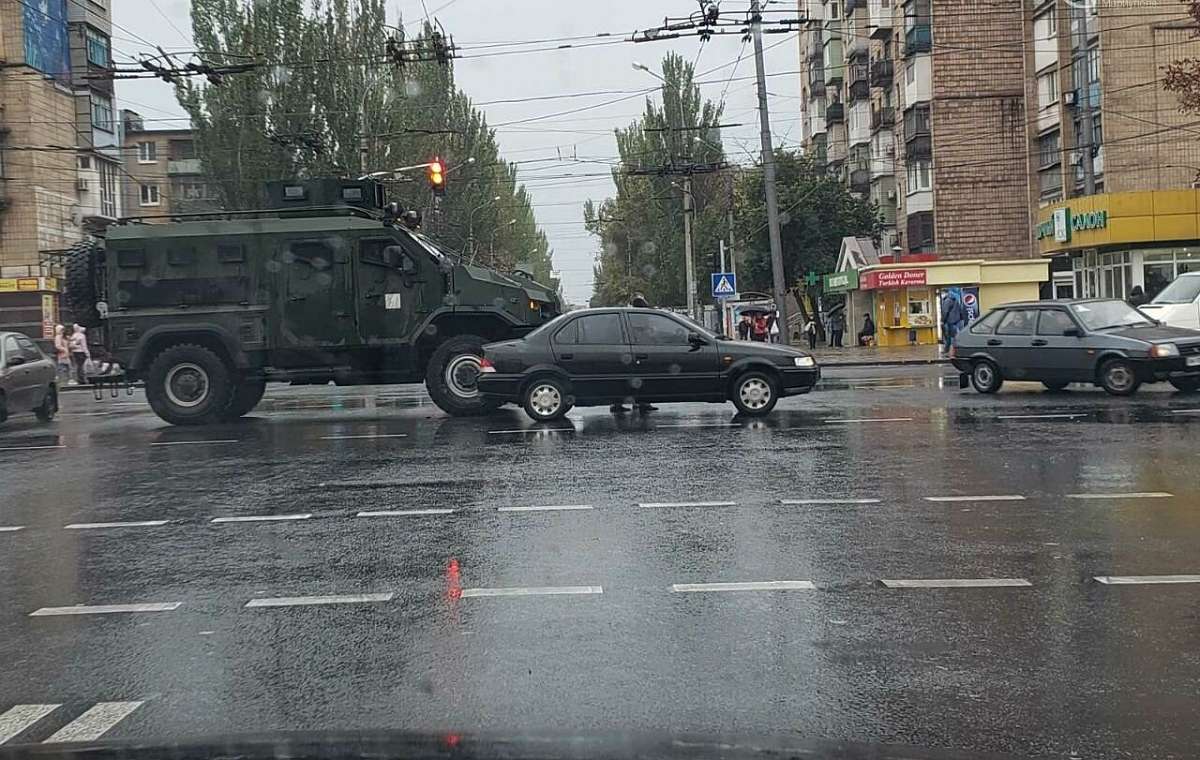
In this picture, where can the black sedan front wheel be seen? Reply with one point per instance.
(755, 394)
(1119, 378)
(546, 399)
(1186, 384)
(986, 377)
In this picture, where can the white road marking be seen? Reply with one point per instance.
(192, 443)
(880, 387)
(94, 723)
(11, 528)
(1145, 580)
(861, 421)
(565, 508)
(1040, 416)
(362, 437)
(532, 591)
(406, 513)
(101, 526)
(820, 502)
(1185, 411)
(307, 601)
(21, 717)
(669, 504)
(697, 425)
(958, 583)
(261, 518)
(530, 430)
(952, 499)
(682, 588)
(104, 609)
(1136, 495)
(29, 448)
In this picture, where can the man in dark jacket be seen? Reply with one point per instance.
(954, 316)
(638, 302)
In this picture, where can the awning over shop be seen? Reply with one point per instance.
(1112, 219)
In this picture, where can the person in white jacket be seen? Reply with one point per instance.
(80, 353)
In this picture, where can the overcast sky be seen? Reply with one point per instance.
(588, 133)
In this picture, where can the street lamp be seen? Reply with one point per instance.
(471, 223)
(492, 247)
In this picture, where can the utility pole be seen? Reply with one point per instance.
(687, 248)
(768, 159)
(732, 245)
(1085, 146)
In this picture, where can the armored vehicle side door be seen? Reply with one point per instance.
(318, 294)
(390, 277)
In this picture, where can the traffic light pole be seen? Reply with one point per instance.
(768, 160)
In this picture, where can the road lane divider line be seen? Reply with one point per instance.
(104, 609)
(1134, 495)
(95, 723)
(362, 437)
(22, 717)
(564, 508)
(957, 583)
(688, 425)
(261, 518)
(686, 588)
(864, 421)
(468, 593)
(527, 431)
(1145, 580)
(1185, 411)
(11, 528)
(406, 512)
(193, 443)
(825, 502)
(312, 601)
(1040, 416)
(955, 499)
(29, 448)
(673, 504)
(102, 526)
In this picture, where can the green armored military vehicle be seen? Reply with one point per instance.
(330, 284)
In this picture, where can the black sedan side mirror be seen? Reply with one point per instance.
(696, 339)
(1073, 332)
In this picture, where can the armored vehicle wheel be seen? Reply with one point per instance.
(189, 385)
(83, 261)
(245, 397)
(452, 376)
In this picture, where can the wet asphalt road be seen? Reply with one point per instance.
(456, 599)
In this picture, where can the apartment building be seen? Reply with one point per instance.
(163, 171)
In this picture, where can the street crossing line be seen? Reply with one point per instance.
(406, 512)
(565, 508)
(362, 437)
(29, 448)
(671, 504)
(191, 443)
(532, 591)
(958, 583)
(953, 499)
(1145, 580)
(822, 502)
(104, 609)
(102, 526)
(684, 588)
(862, 421)
(1135, 495)
(1040, 416)
(11, 528)
(95, 723)
(308, 601)
(22, 717)
(261, 518)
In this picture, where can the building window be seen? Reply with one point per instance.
(918, 176)
(147, 152)
(149, 195)
(1050, 149)
(920, 232)
(85, 162)
(1048, 89)
(910, 72)
(191, 191)
(1045, 26)
(182, 150)
(108, 188)
(98, 48)
(102, 112)
(916, 122)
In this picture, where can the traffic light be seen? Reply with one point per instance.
(437, 177)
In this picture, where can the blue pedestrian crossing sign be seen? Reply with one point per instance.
(724, 284)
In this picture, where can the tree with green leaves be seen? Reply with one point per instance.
(328, 101)
(641, 229)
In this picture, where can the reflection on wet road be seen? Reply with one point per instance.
(888, 559)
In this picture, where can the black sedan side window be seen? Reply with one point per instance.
(569, 334)
(32, 353)
(1054, 322)
(655, 330)
(1018, 322)
(11, 349)
(593, 330)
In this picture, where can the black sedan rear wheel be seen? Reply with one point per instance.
(986, 377)
(49, 406)
(1119, 377)
(1186, 384)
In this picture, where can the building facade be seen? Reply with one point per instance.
(162, 171)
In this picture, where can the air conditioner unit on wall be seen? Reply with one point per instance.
(1076, 158)
(1070, 98)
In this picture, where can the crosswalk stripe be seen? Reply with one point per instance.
(105, 609)
(11, 528)
(261, 518)
(683, 588)
(958, 583)
(952, 499)
(406, 513)
(467, 593)
(22, 717)
(308, 601)
(96, 722)
(1134, 495)
(824, 502)
(102, 526)
(1145, 580)
(669, 504)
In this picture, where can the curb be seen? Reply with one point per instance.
(885, 363)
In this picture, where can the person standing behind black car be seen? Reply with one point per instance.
(638, 302)
(837, 326)
(1137, 297)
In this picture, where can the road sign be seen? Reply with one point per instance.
(724, 284)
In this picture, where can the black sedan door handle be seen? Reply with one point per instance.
(994, 342)
(566, 356)
(641, 357)
(1040, 342)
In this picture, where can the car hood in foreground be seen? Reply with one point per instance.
(1162, 334)
(450, 746)
(751, 348)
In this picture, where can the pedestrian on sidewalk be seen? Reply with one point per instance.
(837, 326)
(810, 331)
(773, 330)
(866, 336)
(62, 353)
(744, 327)
(1137, 297)
(760, 331)
(954, 314)
(80, 353)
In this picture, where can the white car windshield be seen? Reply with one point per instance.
(1184, 290)
(1105, 315)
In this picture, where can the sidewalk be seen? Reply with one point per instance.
(874, 356)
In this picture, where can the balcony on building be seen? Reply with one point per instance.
(816, 81)
(859, 123)
(816, 44)
(883, 160)
(860, 178)
(857, 45)
(882, 72)
(835, 113)
(184, 166)
(835, 63)
(819, 149)
(860, 88)
(918, 142)
(882, 117)
(852, 5)
(835, 155)
(879, 23)
(918, 38)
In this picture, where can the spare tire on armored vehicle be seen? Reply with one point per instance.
(82, 267)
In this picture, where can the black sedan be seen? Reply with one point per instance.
(1105, 342)
(602, 356)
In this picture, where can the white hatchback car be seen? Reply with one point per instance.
(1179, 303)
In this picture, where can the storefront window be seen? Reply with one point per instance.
(919, 312)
